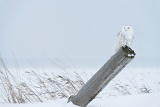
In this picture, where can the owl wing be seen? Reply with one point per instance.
(130, 40)
(119, 41)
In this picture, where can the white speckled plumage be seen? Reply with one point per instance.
(124, 38)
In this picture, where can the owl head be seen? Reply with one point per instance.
(127, 29)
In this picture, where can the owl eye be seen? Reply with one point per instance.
(128, 27)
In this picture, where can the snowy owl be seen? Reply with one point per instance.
(124, 38)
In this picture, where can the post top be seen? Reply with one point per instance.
(129, 52)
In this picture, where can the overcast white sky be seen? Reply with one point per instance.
(83, 30)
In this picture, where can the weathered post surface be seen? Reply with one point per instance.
(103, 76)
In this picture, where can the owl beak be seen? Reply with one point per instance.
(126, 30)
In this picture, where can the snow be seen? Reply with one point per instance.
(115, 98)
(144, 100)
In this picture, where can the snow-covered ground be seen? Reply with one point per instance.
(133, 94)
(145, 100)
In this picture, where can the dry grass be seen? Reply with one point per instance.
(129, 89)
(37, 87)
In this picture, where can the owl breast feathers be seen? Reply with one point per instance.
(124, 38)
